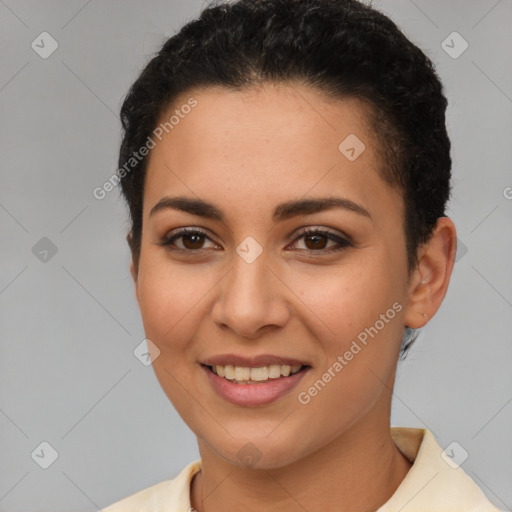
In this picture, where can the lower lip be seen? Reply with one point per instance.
(253, 394)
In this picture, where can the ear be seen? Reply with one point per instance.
(429, 281)
(134, 264)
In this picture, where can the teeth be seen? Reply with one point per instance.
(274, 371)
(259, 374)
(242, 373)
(246, 375)
(229, 372)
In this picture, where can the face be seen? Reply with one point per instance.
(322, 284)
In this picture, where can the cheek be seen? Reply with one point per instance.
(169, 297)
(345, 300)
(362, 312)
(170, 302)
(356, 316)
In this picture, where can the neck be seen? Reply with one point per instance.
(334, 479)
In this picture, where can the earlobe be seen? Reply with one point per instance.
(430, 280)
(133, 271)
(134, 264)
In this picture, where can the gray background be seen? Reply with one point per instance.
(70, 323)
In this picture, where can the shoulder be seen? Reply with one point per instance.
(167, 496)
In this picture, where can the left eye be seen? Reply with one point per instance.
(316, 239)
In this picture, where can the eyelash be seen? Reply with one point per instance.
(342, 242)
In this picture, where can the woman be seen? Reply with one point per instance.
(287, 167)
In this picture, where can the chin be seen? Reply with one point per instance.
(259, 451)
(251, 457)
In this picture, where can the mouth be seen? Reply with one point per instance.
(254, 386)
(255, 375)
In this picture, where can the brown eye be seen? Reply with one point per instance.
(191, 240)
(317, 240)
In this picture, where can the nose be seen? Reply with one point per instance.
(252, 299)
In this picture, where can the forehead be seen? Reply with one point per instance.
(265, 144)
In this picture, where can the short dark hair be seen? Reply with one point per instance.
(344, 49)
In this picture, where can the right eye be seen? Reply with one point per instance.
(192, 240)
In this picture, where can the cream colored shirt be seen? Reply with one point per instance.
(431, 485)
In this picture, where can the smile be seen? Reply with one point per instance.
(247, 375)
(244, 389)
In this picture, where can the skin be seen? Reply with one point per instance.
(246, 151)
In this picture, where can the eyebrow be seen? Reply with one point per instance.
(282, 211)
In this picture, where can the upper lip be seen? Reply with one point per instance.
(251, 362)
